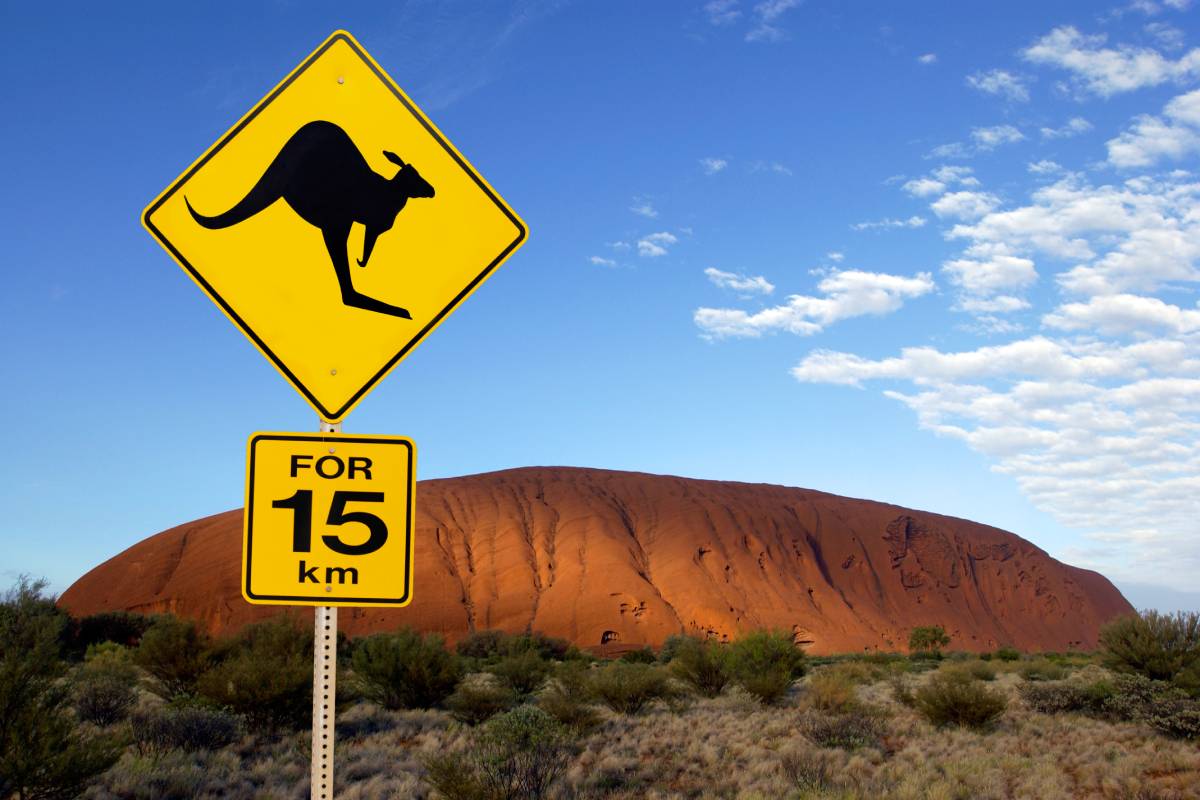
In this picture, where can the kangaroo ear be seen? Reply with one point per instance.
(392, 157)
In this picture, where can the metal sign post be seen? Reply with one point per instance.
(324, 686)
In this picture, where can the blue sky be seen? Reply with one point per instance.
(941, 255)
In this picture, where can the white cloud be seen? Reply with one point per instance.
(722, 12)
(888, 222)
(846, 294)
(1073, 127)
(738, 282)
(600, 261)
(993, 137)
(1045, 167)
(951, 150)
(965, 204)
(643, 208)
(1168, 36)
(655, 244)
(1101, 435)
(1118, 314)
(924, 187)
(835, 256)
(999, 82)
(1152, 139)
(999, 273)
(1107, 71)
(1000, 304)
(712, 166)
(927, 58)
(766, 18)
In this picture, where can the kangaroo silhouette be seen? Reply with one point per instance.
(324, 178)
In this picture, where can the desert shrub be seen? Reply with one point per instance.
(548, 647)
(174, 651)
(264, 674)
(642, 655)
(628, 688)
(812, 772)
(1159, 646)
(830, 690)
(902, 690)
(479, 698)
(104, 688)
(120, 627)
(765, 663)
(951, 698)
(184, 726)
(671, 645)
(980, 670)
(860, 672)
(1042, 670)
(43, 754)
(405, 669)
(1056, 697)
(702, 664)
(481, 645)
(847, 731)
(928, 639)
(1008, 654)
(523, 671)
(517, 755)
(566, 697)
(1178, 718)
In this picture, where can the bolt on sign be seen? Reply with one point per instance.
(329, 520)
(335, 225)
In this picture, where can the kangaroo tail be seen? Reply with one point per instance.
(264, 193)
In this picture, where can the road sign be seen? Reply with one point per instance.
(329, 520)
(335, 225)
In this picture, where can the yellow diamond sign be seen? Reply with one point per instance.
(335, 225)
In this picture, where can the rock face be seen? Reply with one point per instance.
(610, 560)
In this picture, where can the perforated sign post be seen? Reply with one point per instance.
(336, 226)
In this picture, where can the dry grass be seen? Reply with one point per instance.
(727, 747)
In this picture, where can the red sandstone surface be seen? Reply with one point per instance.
(620, 559)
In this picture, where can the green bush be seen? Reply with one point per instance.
(928, 639)
(847, 731)
(264, 673)
(479, 698)
(830, 690)
(628, 688)
(523, 672)
(119, 627)
(902, 691)
(174, 651)
(104, 688)
(1162, 647)
(702, 664)
(481, 645)
(671, 645)
(1056, 697)
(548, 647)
(980, 670)
(566, 697)
(185, 726)
(951, 698)
(1008, 654)
(405, 669)
(765, 663)
(43, 754)
(517, 755)
(642, 655)
(1178, 718)
(1042, 670)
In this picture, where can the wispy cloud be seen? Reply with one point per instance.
(643, 208)
(600, 261)
(993, 137)
(655, 245)
(1107, 71)
(845, 294)
(927, 59)
(722, 12)
(889, 223)
(765, 26)
(1001, 83)
(712, 166)
(737, 282)
(1073, 127)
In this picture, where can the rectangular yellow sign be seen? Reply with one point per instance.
(329, 520)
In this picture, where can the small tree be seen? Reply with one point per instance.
(42, 754)
(405, 670)
(954, 698)
(628, 688)
(929, 639)
(523, 671)
(766, 663)
(704, 665)
(1163, 647)
(264, 674)
(174, 651)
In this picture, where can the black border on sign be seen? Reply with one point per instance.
(406, 597)
(337, 414)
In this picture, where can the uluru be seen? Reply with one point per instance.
(610, 560)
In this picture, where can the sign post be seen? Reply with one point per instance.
(336, 226)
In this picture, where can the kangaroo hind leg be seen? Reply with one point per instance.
(335, 242)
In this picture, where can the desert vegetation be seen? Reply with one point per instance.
(125, 706)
